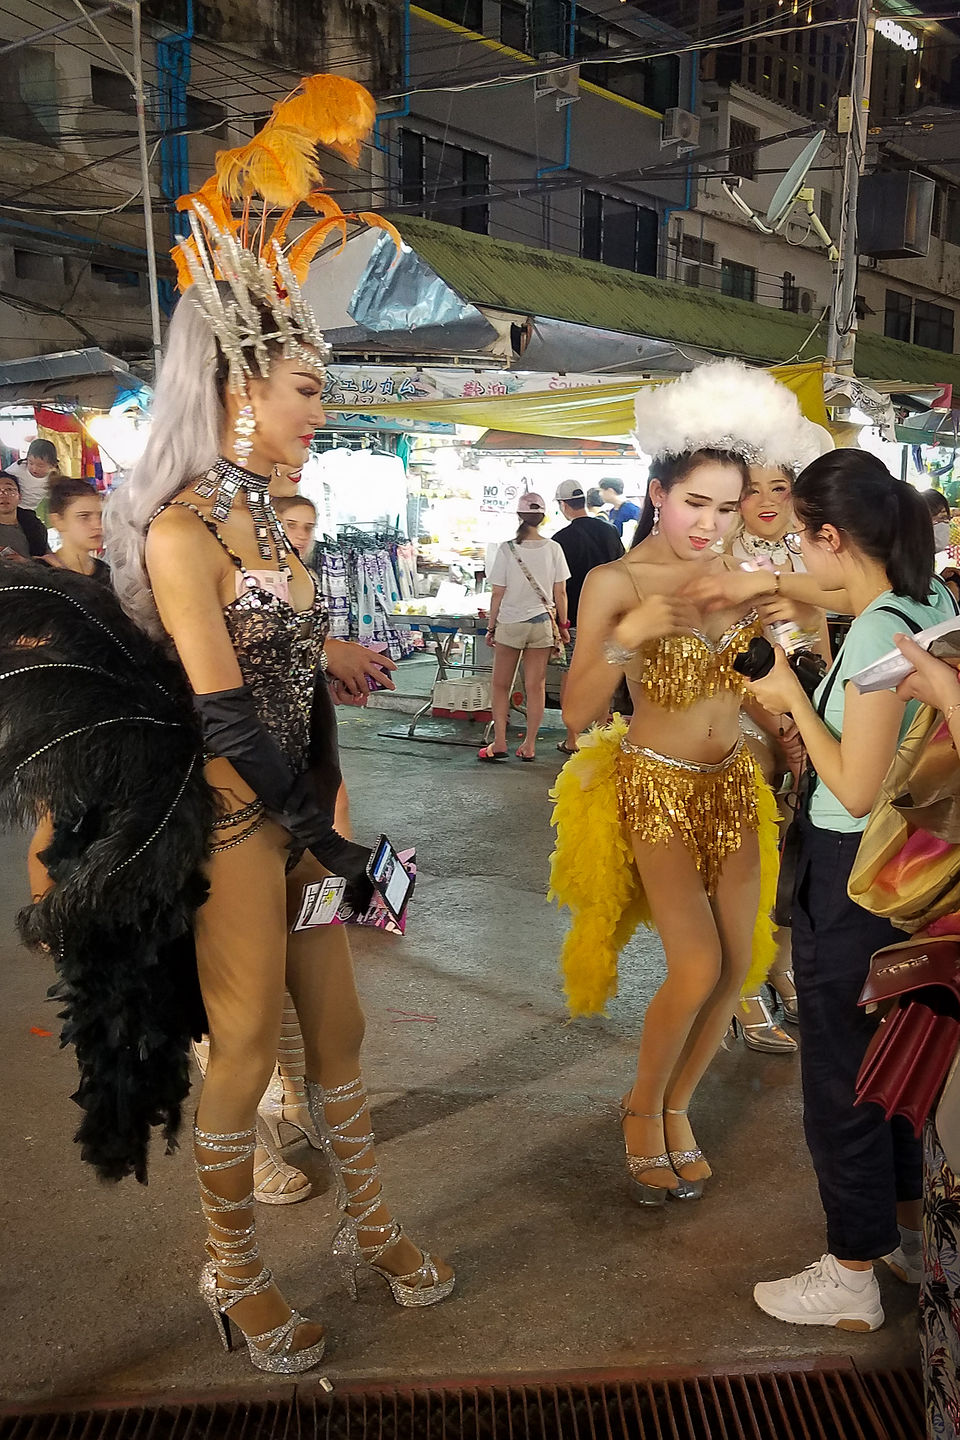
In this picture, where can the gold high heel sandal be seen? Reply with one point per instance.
(640, 1191)
(422, 1286)
(284, 1109)
(692, 1189)
(228, 1246)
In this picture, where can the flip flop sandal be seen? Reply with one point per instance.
(487, 753)
(528, 758)
(564, 750)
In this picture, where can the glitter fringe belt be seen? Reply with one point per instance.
(710, 807)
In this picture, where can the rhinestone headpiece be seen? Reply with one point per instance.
(244, 275)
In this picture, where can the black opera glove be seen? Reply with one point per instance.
(232, 729)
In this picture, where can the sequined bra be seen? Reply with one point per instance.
(279, 651)
(677, 671)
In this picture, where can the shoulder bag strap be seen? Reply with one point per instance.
(535, 585)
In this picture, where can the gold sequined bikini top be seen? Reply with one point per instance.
(677, 671)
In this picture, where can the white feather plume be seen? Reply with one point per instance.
(725, 405)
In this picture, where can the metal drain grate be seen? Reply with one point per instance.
(786, 1405)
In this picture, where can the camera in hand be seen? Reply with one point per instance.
(757, 661)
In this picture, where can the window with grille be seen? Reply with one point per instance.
(738, 280)
(698, 262)
(654, 82)
(618, 233)
(436, 179)
(897, 315)
(743, 149)
(932, 326)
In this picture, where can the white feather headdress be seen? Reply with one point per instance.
(725, 405)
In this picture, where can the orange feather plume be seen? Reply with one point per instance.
(334, 111)
(278, 165)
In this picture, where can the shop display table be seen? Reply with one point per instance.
(462, 687)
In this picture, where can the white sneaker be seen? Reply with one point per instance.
(908, 1268)
(820, 1296)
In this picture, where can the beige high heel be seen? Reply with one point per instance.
(284, 1109)
(275, 1182)
(422, 1286)
(229, 1247)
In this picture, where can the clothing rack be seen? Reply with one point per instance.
(363, 573)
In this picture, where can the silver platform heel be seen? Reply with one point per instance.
(790, 1003)
(765, 1035)
(637, 1165)
(228, 1247)
(689, 1189)
(422, 1286)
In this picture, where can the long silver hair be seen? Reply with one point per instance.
(186, 423)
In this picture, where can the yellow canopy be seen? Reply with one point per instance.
(592, 412)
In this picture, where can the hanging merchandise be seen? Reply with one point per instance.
(78, 455)
(363, 574)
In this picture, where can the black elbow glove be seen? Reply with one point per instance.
(232, 729)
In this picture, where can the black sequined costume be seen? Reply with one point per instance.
(97, 730)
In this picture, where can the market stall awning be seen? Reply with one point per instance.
(601, 412)
(492, 278)
(91, 378)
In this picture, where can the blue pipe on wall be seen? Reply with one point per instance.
(174, 54)
(688, 191)
(6, 224)
(568, 118)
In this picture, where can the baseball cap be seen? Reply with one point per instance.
(569, 490)
(531, 504)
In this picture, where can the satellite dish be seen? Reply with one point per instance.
(792, 183)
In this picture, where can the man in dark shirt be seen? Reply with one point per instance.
(22, 535)
(622, 512)
(586, 543)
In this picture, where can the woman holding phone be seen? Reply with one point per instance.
(867, 543)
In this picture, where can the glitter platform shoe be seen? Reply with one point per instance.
(359, 1194)
(231, 1246)
(689, 1189)
(637, 1165)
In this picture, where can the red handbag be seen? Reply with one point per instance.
(907, 1060)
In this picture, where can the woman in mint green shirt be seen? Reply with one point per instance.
(867, 544)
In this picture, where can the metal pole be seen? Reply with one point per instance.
(135, 21)
(842, 338)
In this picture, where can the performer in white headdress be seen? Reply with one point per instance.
(209, 829)
(670, 821)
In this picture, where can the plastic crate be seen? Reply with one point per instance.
(462, 696)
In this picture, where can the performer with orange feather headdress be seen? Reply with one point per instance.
(190, 785)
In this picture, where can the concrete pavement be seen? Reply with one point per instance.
(498, 1136)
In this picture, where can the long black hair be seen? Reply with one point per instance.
(884, 517)
(671, 469)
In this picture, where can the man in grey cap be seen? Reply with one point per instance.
(586, 542)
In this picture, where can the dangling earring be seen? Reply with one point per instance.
(656, 520)
(243, 429)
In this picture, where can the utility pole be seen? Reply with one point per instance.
(842, 337)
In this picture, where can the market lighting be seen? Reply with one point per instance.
(897, 34)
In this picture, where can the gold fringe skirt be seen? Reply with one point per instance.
(709, 807)
(606, 791)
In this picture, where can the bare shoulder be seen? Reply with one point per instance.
(178, 541)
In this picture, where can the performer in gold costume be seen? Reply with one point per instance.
(669, 821)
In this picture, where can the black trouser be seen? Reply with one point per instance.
(864, 1163)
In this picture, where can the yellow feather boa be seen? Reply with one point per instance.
(593, 875)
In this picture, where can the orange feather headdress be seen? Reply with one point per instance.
(246, 275)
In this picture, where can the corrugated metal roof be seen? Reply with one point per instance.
(508, 276)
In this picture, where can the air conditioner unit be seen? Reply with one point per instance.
(806, 302)
(564, 83)
(680, 127)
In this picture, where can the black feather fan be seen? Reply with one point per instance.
(97, 731)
